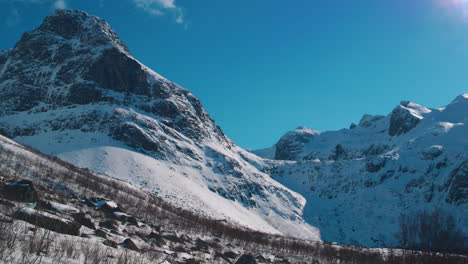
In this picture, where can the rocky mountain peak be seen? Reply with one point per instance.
(79, 25)
(369, 121)
(74, 58)
(405, 117)
(461, 98)
(291, 144)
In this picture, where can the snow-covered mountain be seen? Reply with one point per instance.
(71, 88)
(358, 181)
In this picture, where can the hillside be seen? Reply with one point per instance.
(54, 212)
(358, 181)
(72, 89)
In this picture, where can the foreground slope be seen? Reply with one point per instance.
(71, 88)
(358, 181)
(54, 212)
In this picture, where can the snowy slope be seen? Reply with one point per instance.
(71, 88)
(357, 181)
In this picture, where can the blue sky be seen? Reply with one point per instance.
(263, 67)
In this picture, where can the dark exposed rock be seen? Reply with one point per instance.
(230, 255)
(172, 237)
(130, 244)
(109, 207)
(110, 243)
(20, 191)
(101, 233)
(48, 221)
(290, 145)
(415, 184)
(260, 258)
(81, 93)
(375, 164)
(106, 207)
(124, 218)
(432, 153)
(193, 261)
(402, 120)
(340, 153)
(387, 175)
(134, 137)
(370, 183)
(156, 239)
(116, 71)
(246, 259)
(375, 150)
(200, 245)
(83, 219)
(457, 185)
(369, 121)
(81, 26)
(110, 224)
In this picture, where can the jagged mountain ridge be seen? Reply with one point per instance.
(71, 88)
(358, 181)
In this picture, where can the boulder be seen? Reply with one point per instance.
(48, 221)
(200, 245)
(20, 191)
(83, 219)
(230, 255)
(101, 233)
(259, 257)
(110, 224)
(110, 243)
(125, 218)
(246, 259)
(130, 244)
(172, 237)
(156, 239)
(193, 261)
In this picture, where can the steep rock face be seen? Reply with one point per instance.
(291, 144)
(71, 88)
(369, 121)
(74, 58)
(357, 181)
(405, 117)
(457, 185)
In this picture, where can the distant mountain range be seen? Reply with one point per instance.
(71, 88)
(358, 181)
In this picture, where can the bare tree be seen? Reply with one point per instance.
(431, 231)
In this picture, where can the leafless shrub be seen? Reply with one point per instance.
(431, 231)
(66, 248)
(94, 253)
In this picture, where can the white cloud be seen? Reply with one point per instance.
(60, 4)
(155, 4)
(180, 19)
(162, 7)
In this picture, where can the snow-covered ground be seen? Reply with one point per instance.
(80, 95)
(138, 127)
(358, 181)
